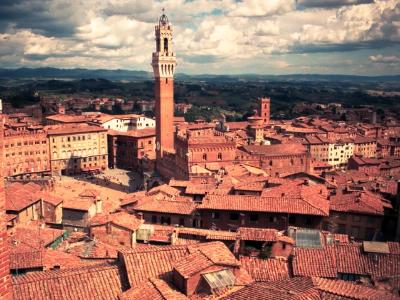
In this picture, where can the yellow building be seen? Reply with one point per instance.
(76, 148)
(339, 152)
(365, 147)
(334, 152)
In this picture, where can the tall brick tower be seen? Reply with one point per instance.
(264, 109)
(5, 286)
(164, 62)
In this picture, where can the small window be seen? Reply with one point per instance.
(204, 156)
(220, 156)
(234, 216)
(253, 218)
(154, 219)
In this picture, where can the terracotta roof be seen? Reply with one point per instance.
(154, 262)
(78, 204)
(20, 196)
(158, 262)
(26, 260)
(275, 150)
(152, 289)
(132, 198)
(89, 193)
(52, 199)
(93, 249)
(257, 186)
(193, 264)
(394, 247)
(364, 202)
(312, 205)
(180, 207)
(199, 189)
(293, 288)
(258, 234)
(136, 133)
(34, 236)
(62, 118)
(314, 262)
(121, 219)
(344, 258)
(164, 189)
(178, 183)
(350, 290)
(207, 233)
(265, 269)
(98, 282)
(72, 129)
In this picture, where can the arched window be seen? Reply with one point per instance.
(291, 162)
(165, 44)
(205, 156)
(270, 163)
(219, 156)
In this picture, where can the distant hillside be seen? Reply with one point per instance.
(55, 73)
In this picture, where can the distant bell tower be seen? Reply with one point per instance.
(264, 109)
(164, 62)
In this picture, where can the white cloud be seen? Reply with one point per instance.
(252, 8)
(222, 35)
(384, 59)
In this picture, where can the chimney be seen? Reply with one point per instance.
(174, 236)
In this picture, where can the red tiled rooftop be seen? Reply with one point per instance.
(164, 189)
(72, 129)
(350, 290)
(292, 288)
(154, 262)
(314, 262)
(265, 269)
(97, 282)
(152, 289)
(20, 196)
(180, 207)
(121, 219)
(273, 150)
(34, 235)
(359, 202)
(313, 205)
(257, 234)
(78, 204)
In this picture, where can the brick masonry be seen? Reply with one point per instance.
(5, 287)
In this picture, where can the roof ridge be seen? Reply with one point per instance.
(52, 274)
(312, 205)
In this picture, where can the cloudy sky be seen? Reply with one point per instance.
(210, 36)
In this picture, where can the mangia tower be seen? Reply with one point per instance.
(164, 62)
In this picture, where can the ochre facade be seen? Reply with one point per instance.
(75, 149)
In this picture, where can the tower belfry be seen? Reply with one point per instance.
(164, 62)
